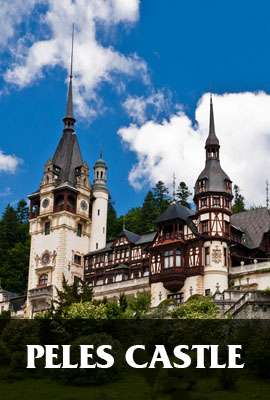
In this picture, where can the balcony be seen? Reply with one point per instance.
(63, 207)
(42, 292)
(173, 279)
(165, 238)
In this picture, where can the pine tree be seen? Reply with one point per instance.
(113, 223)
(239, 201)
(182, 194)
(149, 213)
(14, 248)
(161, 195)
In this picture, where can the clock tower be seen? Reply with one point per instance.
(60, 218)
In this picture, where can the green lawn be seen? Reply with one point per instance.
(132, 387)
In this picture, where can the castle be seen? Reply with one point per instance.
(206, 250)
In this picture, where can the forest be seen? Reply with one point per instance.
(15, 240)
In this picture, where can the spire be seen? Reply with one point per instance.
(212, 139)
(69, 119)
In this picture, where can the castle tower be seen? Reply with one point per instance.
(59, 218)
(213, 196)
(100, 206)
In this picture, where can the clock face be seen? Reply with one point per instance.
(45, 203)
(45, 259)
(84, 205)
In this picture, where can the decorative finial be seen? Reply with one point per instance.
(267, 194)
(69, 119)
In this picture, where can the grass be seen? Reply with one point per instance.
(132, 387)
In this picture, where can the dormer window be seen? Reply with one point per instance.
(202, 185)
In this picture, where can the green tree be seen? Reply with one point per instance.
(197, 307)
(161, 195)
(183, 194)
(113, 223)
(149, 213)
(78, 292)
(14, 247)
(239, 201)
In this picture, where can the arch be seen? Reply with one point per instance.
(43, 280)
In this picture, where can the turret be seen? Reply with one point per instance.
(213, 196)
(99, 206)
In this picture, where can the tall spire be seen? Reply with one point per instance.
(212, 139)
(69, 119)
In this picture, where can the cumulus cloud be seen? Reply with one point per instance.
(139, 108)
(176, 146)
(8, 163)
(94, 62)
(12, 14)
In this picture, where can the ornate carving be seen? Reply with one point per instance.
(216, 255)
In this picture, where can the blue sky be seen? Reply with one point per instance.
(184, 50)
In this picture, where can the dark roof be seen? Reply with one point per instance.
(68, 157)
(215, 177)
(131, 236)
(254, 224)
(140, 239)
(212, 139)
(175, 211)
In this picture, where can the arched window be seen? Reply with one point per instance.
(43, 280)
(71, 202)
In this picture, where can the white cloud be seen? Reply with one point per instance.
(139, 108)
(94, 63)
(11, 15)
(175, 145)
(8, 163)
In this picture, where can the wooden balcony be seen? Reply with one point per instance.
(174, 278)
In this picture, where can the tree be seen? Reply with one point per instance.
(78, 292)
(14, 247)
(149, 213)
(239, 201)
(197, 307)
(113, 225)
(182, 194)
(161, 195)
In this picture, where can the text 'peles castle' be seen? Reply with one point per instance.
(205, 251)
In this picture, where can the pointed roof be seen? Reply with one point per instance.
(214, 176)
(175, 211)
(212, 139)
(68, 154)
(69, 119)
(68, 157)
(131, 236)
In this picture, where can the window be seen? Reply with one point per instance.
(177, 297)
(207, 256)
(79, 230)
(47, 227)
(225, 256)
(227, 203)
(204, 226)
(216, 201)
(77, 259)
(178, 258)
(168, 259)
(207, 292)
(96, 246)
(98, 212)
(101, 174)
(43, 280)
(226, 228)
(204, 202)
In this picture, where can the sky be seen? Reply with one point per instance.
(143, 72)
